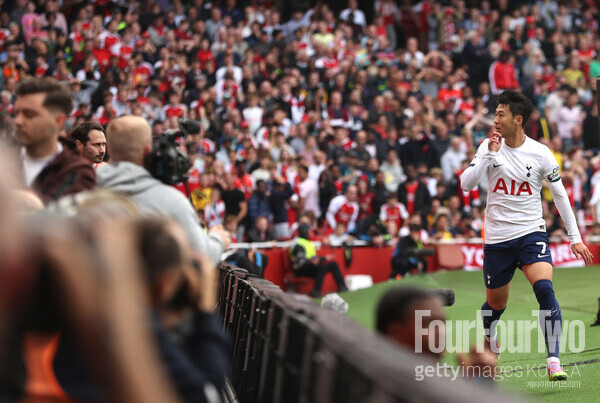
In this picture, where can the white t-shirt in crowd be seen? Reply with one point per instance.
(33, 166)
(309, 190)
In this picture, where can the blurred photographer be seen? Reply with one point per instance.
(73, 307)
(409, 254)
(130, 142)
(182, 286)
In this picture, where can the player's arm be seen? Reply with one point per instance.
(478, 166)
(561, 200)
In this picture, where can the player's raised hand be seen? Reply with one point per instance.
(495, 140)
(582, 252)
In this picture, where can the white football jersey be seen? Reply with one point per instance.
(515, 178)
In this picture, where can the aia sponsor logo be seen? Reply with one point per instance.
(512, 188)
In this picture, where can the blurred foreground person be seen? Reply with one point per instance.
(129, 143)
(136, 284)
(52, 280)
(51, 164)
(404, 315)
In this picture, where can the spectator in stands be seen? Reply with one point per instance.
(344, 208)
(502, 74)
(252, 260)
(327, 190)
(129, 140)
(451, 162)
(353, 14)
(591, 130)
(51, 164)
(308, 192)
(366, 198)
(340, 235)
(91, 142)
(392, 171)
(441, 225)
(214, 211)
(568, 117)
(243, 180)
(281, 191)
(305, 262)
(393, 211)
(260, 230)
(373, 231)
(258, 204)
(236, 206)
(413, 193)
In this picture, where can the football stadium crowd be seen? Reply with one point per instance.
(309, 112)
(327, 124)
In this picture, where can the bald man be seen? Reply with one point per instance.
(129, 140)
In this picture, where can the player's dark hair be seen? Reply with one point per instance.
(518, 104)
(303, 168)
(82, 132)
(396, 305)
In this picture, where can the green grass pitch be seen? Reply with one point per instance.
(577, 290)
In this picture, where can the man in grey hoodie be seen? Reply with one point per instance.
(129, 140)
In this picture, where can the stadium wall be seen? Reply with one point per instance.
(375, 262)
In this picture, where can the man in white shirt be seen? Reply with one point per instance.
(568, 116)
(358, 17)
(515, 232)
(308, 192)
(451, 161)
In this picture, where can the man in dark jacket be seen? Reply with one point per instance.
(280, 192)
(258, 204)
(52, 166)
(260, 231)
(407, 255)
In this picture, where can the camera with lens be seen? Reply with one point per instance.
(167, 162)
(419, 253)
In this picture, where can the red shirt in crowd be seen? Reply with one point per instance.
(395, 212)
(502, 77)
(411, 190)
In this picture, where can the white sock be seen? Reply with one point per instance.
(491, 339)
(553, 359)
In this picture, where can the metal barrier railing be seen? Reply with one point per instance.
(287, 349)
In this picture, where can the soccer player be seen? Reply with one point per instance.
(515, 232)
